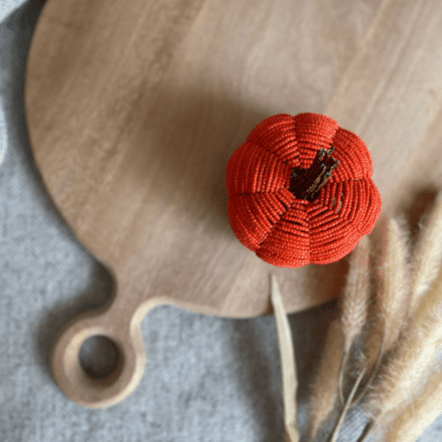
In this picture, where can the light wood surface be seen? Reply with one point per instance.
(134, 108)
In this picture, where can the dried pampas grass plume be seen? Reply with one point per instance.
(394, 280)
(325, 388)
(389, 309)
(401, 325)
(427, 256)
(412, 421)
(354, 301)
(409, 367)
(354, 304)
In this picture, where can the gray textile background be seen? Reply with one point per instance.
(207, 378)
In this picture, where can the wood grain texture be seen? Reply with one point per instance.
(135, 107)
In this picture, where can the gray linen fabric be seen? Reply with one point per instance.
(207, 378)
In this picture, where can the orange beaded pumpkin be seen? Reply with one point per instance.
(300, 190)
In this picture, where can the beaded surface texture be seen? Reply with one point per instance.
(300, 190)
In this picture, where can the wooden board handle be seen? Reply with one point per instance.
(101, 392)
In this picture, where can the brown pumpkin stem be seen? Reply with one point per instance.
(305, 184)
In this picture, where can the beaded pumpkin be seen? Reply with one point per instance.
(300, 190)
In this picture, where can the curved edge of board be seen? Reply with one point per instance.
(79, 386)
(123, 328)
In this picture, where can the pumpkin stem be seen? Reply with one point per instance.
(305, 184)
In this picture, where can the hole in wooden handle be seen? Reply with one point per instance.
(101, 359)
(81, 384)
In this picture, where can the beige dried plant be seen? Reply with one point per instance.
(401, 323)
(395, 281)
(403, 329)
(354, 301)
(389, 309)
(413, 420)
(402, 378)
(427, 255)
(325, 388)
(407, 371)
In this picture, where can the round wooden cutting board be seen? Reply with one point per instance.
(134, 108)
